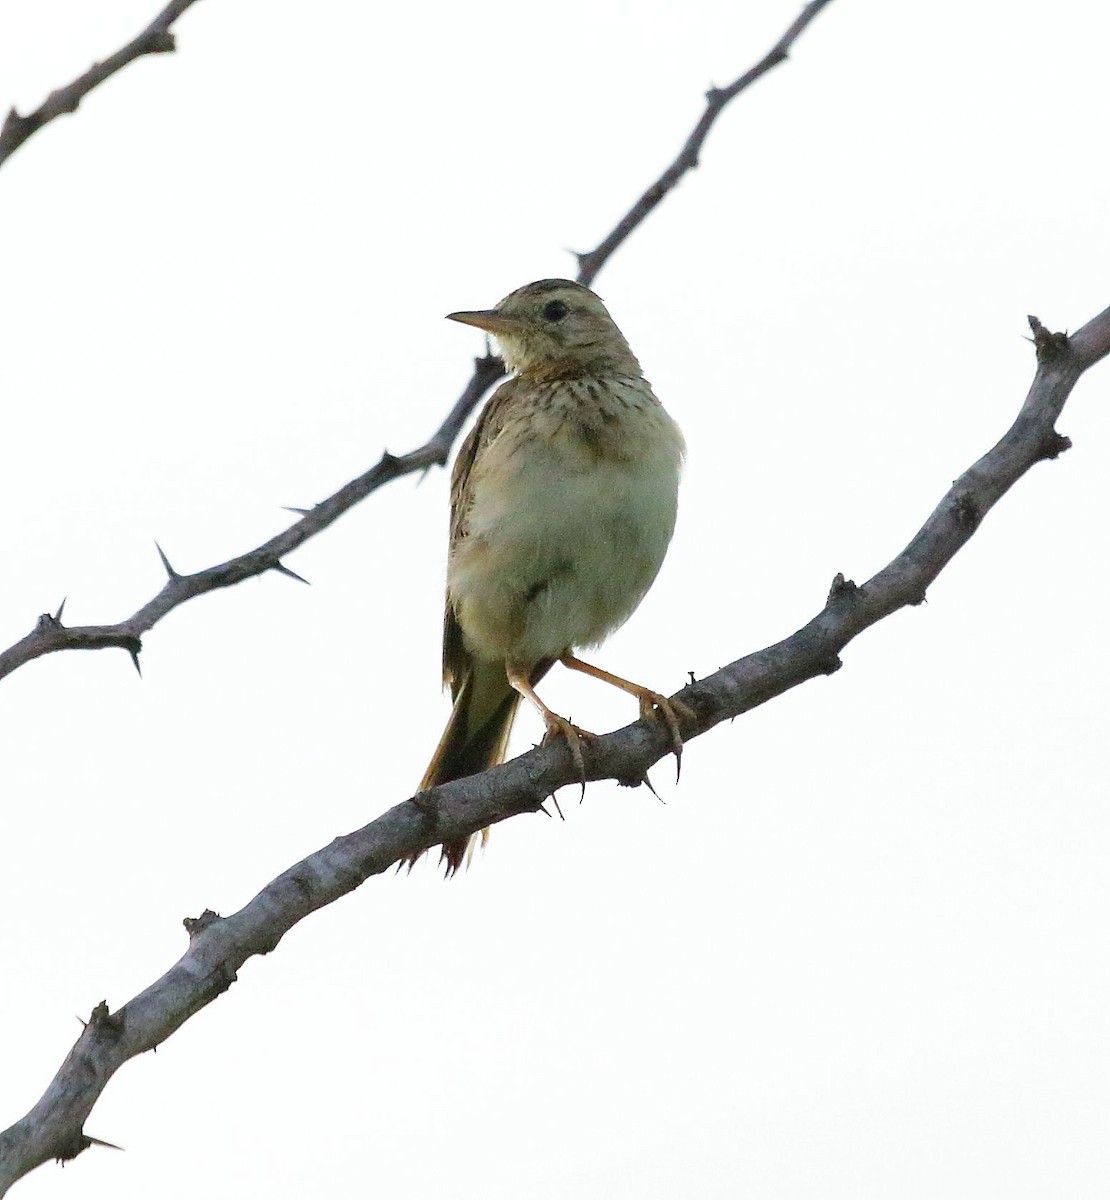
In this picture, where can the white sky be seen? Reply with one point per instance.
(861, 951)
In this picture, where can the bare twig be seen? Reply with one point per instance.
(54, 1128)
(156, 38)
(50, 635)
(716, 99)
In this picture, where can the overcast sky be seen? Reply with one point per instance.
(861, 949)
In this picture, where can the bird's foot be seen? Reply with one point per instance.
(673, 713)
(559, 727)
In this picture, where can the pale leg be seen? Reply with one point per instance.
(670, 710)
(556, 726)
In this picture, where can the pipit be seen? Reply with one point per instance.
(563, 501)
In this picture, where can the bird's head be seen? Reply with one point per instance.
(554, 328)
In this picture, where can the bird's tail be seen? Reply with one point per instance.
(476, 736)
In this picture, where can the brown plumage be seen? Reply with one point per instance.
(562, 504)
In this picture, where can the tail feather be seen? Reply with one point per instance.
(477, 732)
(476, 737)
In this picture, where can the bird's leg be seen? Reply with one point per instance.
(670, 710)
(556, 726)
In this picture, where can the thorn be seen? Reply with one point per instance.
(61, 609)
(651, 788)
(194, 926)
(1053, 446)
(301, 512)
(543, 808)
(163, 42)
(282, 569)
(693, 678)
(388, 461)
(166, 562)
(104, 1024)
(841, 587)
(93, 1141)
(555, 801)
(1049, 345)
(134, 652)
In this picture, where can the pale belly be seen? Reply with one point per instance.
(562, 547)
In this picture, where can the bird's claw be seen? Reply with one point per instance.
(560, 727)
(673, 713)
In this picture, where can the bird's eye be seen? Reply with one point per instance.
(555, 311)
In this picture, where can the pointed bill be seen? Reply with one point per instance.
(488, 319)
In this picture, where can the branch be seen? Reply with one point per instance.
(156, 38)
(716, 99)
(218, 947)
(50, 635)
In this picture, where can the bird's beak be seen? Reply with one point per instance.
(488, 319)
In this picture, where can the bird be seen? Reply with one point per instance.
(563, 502)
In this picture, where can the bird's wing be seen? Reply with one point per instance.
(456, 659)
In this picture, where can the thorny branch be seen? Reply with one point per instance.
(218, 947)
(50, 635)
(715, 100)
(156, 38)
